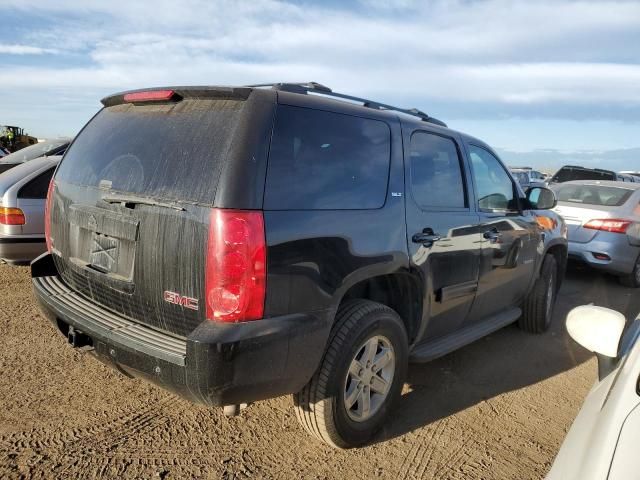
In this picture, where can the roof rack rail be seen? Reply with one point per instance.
(314, 87)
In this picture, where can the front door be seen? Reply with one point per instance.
(444, 236)
(510, 237)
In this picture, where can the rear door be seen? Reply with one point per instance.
(443, 229)
(510, 237)
(132, 204)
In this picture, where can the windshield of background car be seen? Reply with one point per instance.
(172, 151)
(594, 195)
(567, 174)
(34, 151)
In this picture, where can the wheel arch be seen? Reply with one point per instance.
(560, 252)
(401, 291)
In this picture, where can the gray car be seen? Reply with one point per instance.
(603, 218)
(48, 148)
(23, 193)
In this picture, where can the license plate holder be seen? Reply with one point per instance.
(105, 251)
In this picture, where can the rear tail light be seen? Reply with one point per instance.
(150, 96)
(614, 225)
(47, 216)
(11, 216)
(235, 278)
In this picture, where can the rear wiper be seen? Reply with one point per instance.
(132, 200)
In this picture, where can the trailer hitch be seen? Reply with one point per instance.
(78, 339)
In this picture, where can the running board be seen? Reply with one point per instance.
(443, 345)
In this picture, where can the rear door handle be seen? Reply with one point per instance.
(426, 238)
(492, 235)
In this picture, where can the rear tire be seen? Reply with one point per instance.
(348, 398)
(633, 279)
(537, 309)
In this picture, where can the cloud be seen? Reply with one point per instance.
(503, 58)
(24, 49)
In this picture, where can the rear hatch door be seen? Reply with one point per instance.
(132, 202)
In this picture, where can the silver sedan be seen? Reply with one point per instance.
(603, 219)
(23, 193)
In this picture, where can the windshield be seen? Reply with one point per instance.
(594, 195)
(38, 150)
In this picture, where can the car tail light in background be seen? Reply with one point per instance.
(47, 216)
(150, 96)
(614, 225)
(11, 216)
(235, 277)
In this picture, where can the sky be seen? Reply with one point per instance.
(524, 76)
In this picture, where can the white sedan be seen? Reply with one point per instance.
(604, 440)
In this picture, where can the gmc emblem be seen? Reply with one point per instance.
(177, 299)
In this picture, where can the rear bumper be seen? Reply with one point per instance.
(622, 255)
(217, 364)
(21, 250)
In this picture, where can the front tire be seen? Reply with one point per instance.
(537, 309)
(360, 377)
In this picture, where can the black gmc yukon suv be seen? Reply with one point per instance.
(236, 244)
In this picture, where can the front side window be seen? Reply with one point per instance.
(436, 175)
(327, 161)
(494, 187)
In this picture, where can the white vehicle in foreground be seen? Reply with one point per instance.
(604, 440)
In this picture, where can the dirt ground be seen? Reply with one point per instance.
(498, 408)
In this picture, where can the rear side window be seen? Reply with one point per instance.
(37, 188)
(436, 174)
(172, 151)
(327, 161)
(594, 195)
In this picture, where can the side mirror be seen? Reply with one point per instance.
(599, 330)
(541, 198)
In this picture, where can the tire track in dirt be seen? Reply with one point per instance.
(103, 436)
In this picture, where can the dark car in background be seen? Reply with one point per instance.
(233, 244)
(573, 172)
(48, 148)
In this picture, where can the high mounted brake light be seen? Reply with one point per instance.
(614, 225)
(150, 96)
(11, 216)
(235, 277)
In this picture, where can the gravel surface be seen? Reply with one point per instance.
(498, 408)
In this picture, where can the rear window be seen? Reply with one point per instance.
(594, 195)
(567, 174)
(37, 188)
(172, 151)
(522, 177)
(322, 160)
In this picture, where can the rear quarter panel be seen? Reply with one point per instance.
(315, 256)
